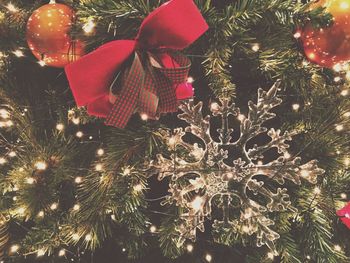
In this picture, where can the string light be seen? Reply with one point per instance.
(89, 27)
(189, 248)
(287, 155)
(138, 188)
(344, 92)
(21, 210)
(347, 161)
(78, 180)
(88, 237)
(214, 106)
(337, 248)
(308, 257)
(337, 67)
(339, 127)
(208, 257)
(14, 248)
(18, 53)
(343, 196)
(347, 114)
(337, 79)
(144, 117)
(100, 152)
(297, 34)
(190, 80)
(197, 203)
(12, 8)
(153, 229)
(62, 252)
(127, 171)
(41, 214)
(12, 154)
(40, 165)
(240, 117)
(344, 5)
(305, 173)
(2, 160)
(4, 114)
(317, 190)
(270, 255)
(98, 167)
(256, 47)
(54, 206)
(79, 134)
(296, 107)
(123, 249)
(75, 237)
(60, 126)
(30, 180)
(42, 63)
(76, 207)
(76, 121)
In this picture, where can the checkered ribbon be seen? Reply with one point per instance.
(148, 88)
(155, 79)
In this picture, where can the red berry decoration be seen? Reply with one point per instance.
(344, 215)
(48, 35)
(330, 45)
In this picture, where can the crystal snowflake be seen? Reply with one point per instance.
(228, 175)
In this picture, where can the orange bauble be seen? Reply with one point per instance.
(48, 35)
(331, 45)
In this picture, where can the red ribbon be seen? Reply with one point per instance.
(173, 26)
(344, 215)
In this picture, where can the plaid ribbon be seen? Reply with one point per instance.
(147, 87)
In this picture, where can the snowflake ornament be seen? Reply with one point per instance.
(227, 175)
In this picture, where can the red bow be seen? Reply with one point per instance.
(154, 81)
(344, 215)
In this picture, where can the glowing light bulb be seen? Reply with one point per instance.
(98, 167)
(78, 180)
(347, 161)
(76, 121)
(30, 180)
(317, 190)
(14, 248)
(153, 229)
(347, 114)
(343, 196)
(18, 53)
(190, 80)
(100, 152)
(337, 248)
(40, 165)
(287, 155)
(256, 47)
(208, 257)
(138, 188)
(241, 117)
(76, 207)
(296, 107)
(189, 248)
(88, 237)
(89, 27)
(339, 127)
(337, 67)
(62, 252)
(144, 117)
(42, 63)
(311, 55)
(337, 79)
(297, 34)
(344, 92)
(305, 173)
(126, 171)
(4, 114)
(60, 126)
(54, 206)
(2, 160)
(41, 214)
(197, 203)
(344, 5)
(12, 154)
(75, 237)
(214, 106)
(21, 210)
(79, 134)
(270, 255)
(12, 8)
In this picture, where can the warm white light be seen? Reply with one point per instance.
(76, 207)
(144, 117)
(343, 196)
(12, 154)
(337, 248)
(41, 214)
(337, 79)
(14, 248)
(347, 161)
(317, 190)
(21, 210)
(98, 167)
(138, 188)
(40, 253)
(296, 107)
(2, 160)
(18, 53)
(344, 92)
(78, 180)
(12, 8)
(208, 257)
(197, 203)
(189, 248)
(153, 229)
(337, 67)
(256, 47)
(88, 237)
(75, 237)
(30, 180)
(339, 127)
(89, 27)
(126, 171)
(79, 134)
(42, 63)
(270, 255)
(60, 126)
(54, 206)
(241, 117)
(123, 249)
(190, 80)
(4, 114)
(76, 121)
(40, 165)
(214, 106)
(62, 252)
(347, 114)
(287, 155)
(297, 34)
(100, 152)
(9, 123)
(304, 173)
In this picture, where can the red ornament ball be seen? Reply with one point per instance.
(48, 35)
(329, 46)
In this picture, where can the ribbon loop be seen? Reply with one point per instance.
(154, 82)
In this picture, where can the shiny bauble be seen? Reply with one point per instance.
(48, 35)
(329, 46)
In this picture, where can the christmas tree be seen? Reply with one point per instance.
(174, 131)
